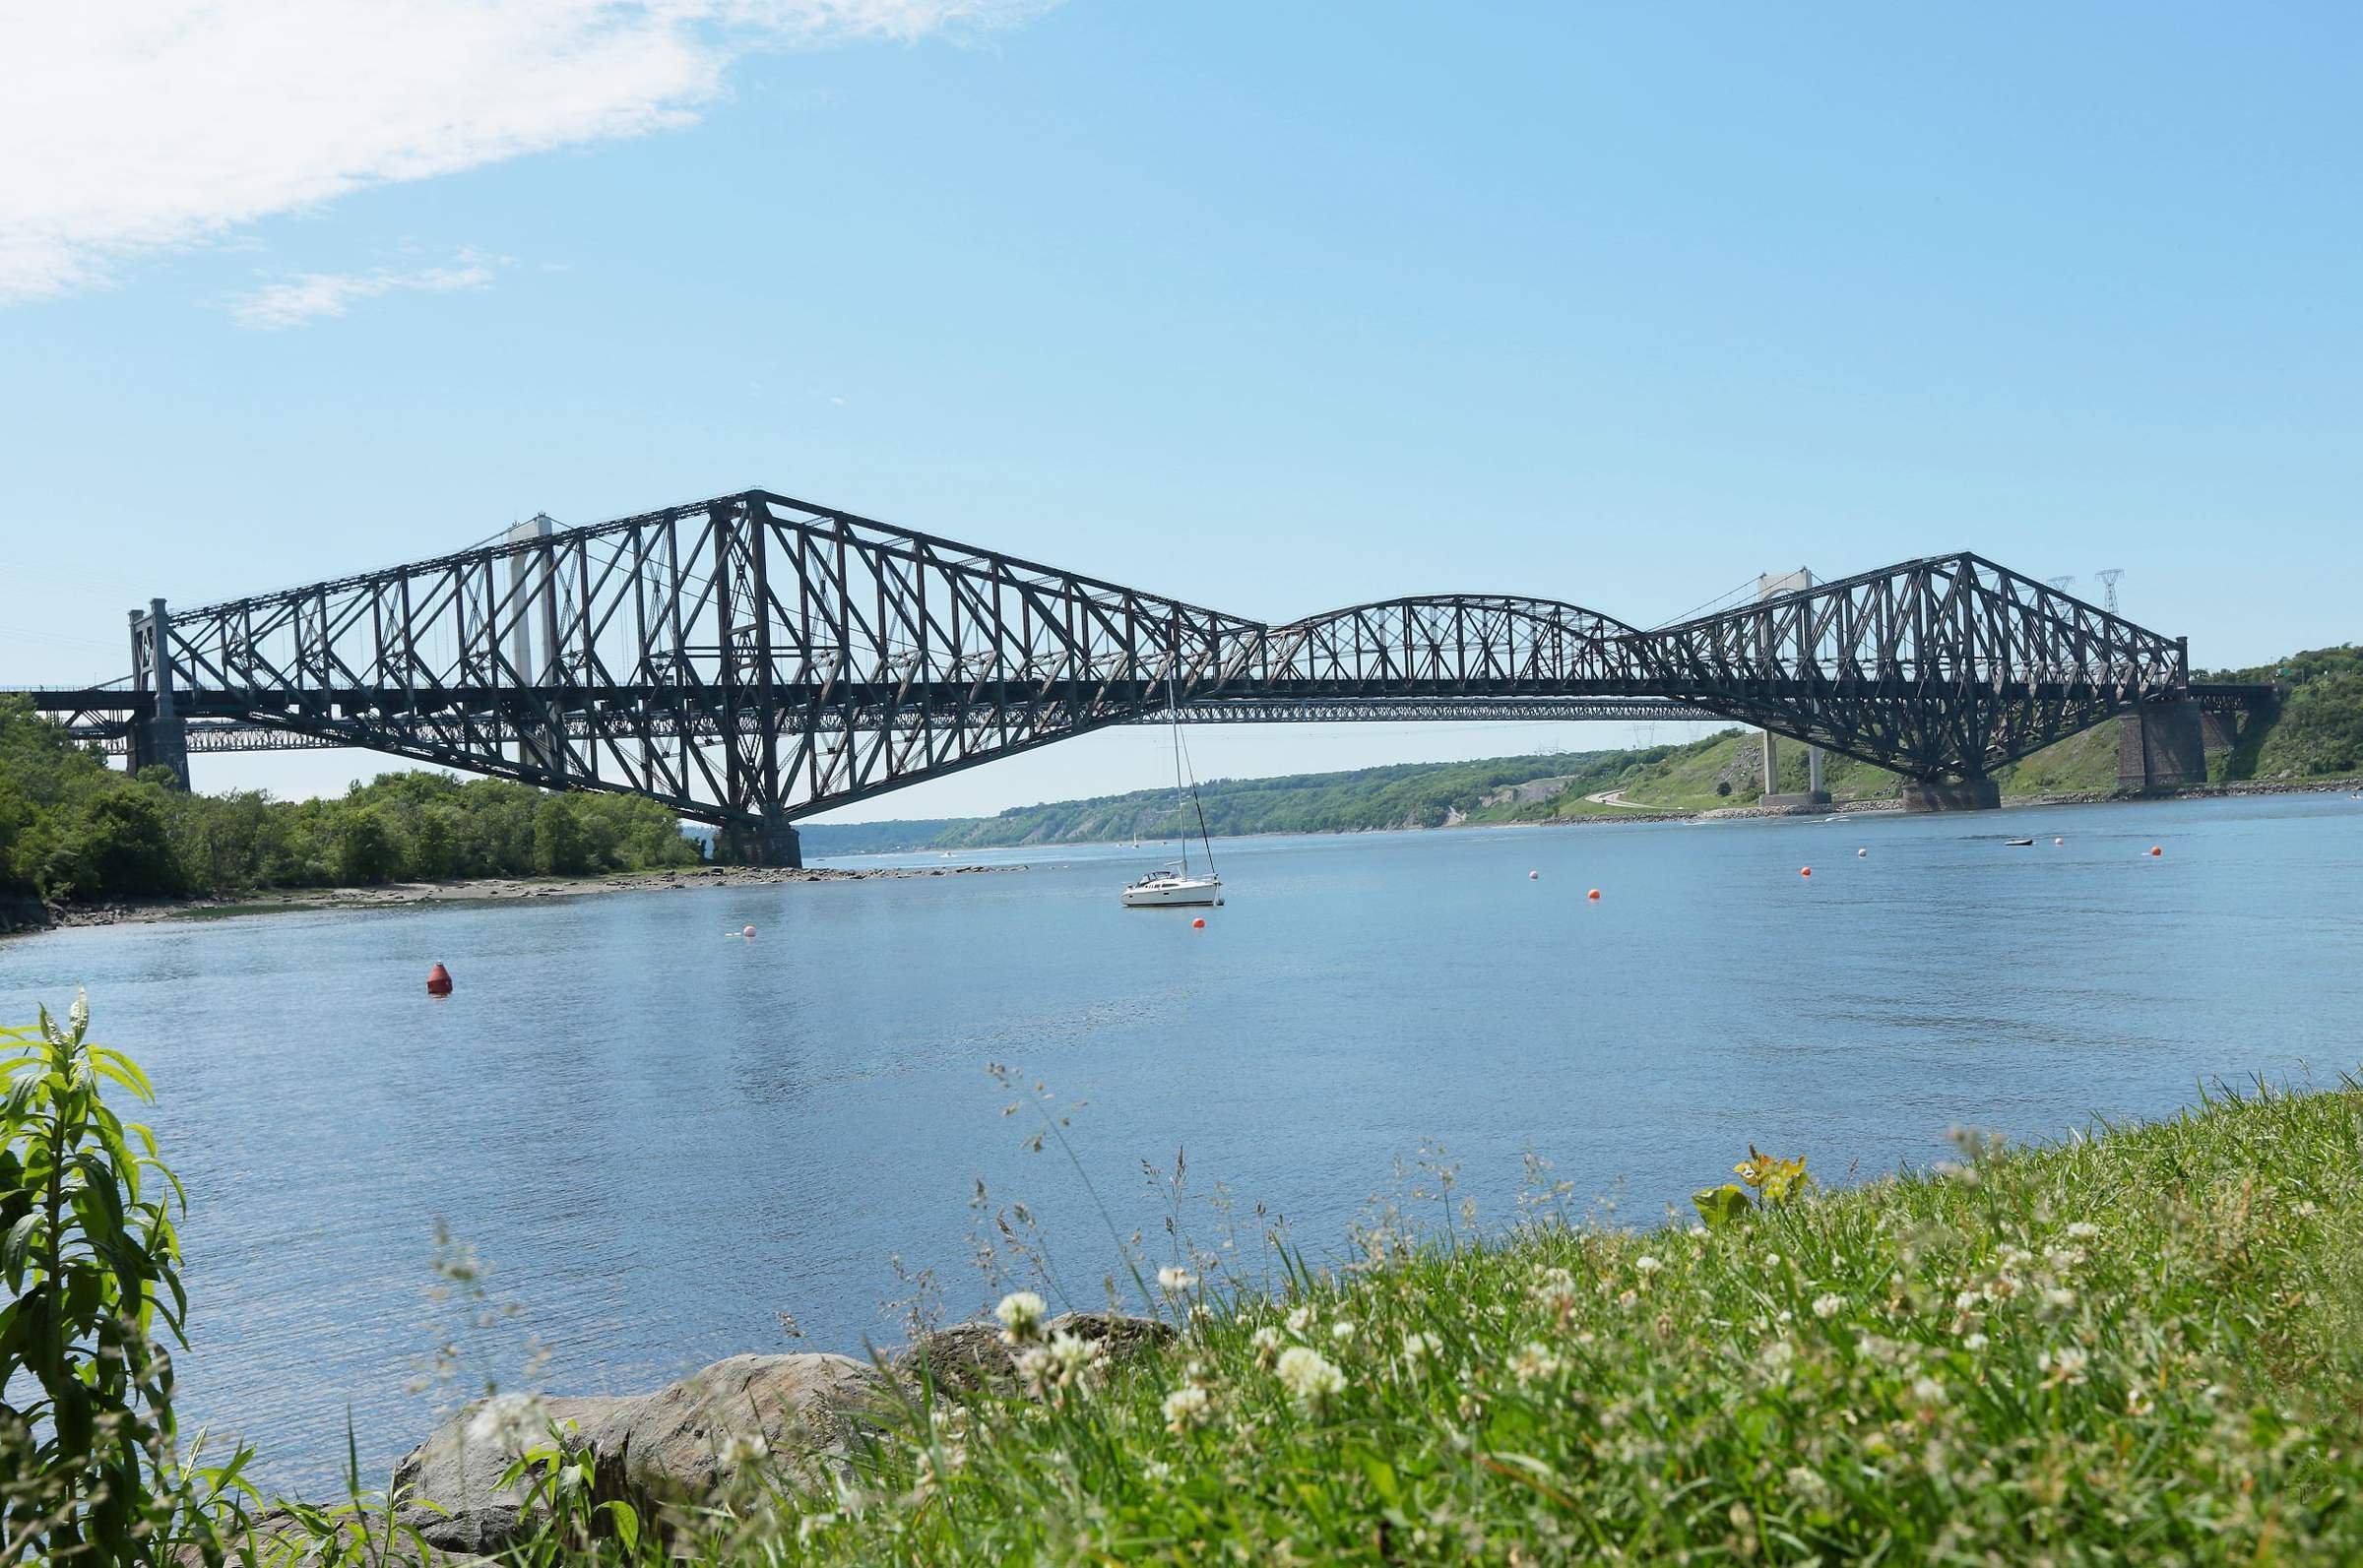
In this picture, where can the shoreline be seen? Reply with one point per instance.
(462, 890)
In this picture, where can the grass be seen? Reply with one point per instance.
(2140, 1345)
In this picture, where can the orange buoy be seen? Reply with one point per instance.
(438, 981)
(1594, 894)
(1805, 870)
(1198, 925)
(2154, 850)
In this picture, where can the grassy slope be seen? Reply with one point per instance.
(2137, 1348)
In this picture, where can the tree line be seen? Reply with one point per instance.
(74, 830)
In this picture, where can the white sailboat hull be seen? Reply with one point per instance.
(1173, 891)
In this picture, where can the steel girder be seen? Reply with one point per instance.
(754, 658)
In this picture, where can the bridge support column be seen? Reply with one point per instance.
(2161, 746)
(772, 841)
(1951, 794)
(160, 738)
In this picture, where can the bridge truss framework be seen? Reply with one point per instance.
(752, 659)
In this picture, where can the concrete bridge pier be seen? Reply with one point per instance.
(772, 841)
(159, 738)
(2161, 746)
(1951, 794)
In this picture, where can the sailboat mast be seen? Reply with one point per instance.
(1173, 710)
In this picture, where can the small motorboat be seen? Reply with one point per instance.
(1174, 886)
(2019, 844)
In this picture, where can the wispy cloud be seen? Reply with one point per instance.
(129, 129)
(308, 296)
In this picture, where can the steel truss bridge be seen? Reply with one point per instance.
(751, 660)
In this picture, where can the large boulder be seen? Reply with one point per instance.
(677, 1443)
(968, 1356)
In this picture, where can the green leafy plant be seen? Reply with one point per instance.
(90, 1258)
(1770, 1185)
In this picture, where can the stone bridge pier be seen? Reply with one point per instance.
(2161, 745)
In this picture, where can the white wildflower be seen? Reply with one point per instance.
(1158, 1470)
(1419, 1345)
(509, 1425)
(2058, 1298)
(1266, 1341)
(1928, 1391)
(1342, 1331)
(1299, 1319)
(1173, 1282)
(744, 1449)
(2064, 1366)
(1828, 1306)
(1534, 1362)
(1645, 1266)
(1188, 1406)
(1020, 1313)
(1310, 1375)
(2137, 1401)
(1975, 1342)
(2084, 1231)
(77, 1016)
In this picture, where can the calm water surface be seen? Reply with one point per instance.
(664, 1138)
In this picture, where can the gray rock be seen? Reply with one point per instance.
(650, 1449)
(972, 1355)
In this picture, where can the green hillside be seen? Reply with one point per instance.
(2318, 732)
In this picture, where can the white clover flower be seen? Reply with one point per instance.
(1310, 1375)
(1266, 1341)
(1771, 1260)
(1188, 1406)
(1158, 1470)
(1421, 1344)
(1074, 1355)
(1020, 1313)
(1828, 1306)
(2084, 1231)
(2064, 1366)
(2058, 1298)
(1928, 1391)
(1299, 1319)
(1342, 1331)
(1534, 1362)
(1966, 1301)
(1645, 1265)
(1173, 1280)
(744, 1449)
(1975, 1342)
(509, 1425)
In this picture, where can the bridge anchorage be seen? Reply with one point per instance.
(751, 660)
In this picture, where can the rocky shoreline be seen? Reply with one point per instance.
(796, 1416)
(27, 915)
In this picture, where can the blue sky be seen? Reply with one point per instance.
(1273, 308)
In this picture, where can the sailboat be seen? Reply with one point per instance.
(1177, 885)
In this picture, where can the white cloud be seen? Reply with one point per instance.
(307, 296)
(131, 128)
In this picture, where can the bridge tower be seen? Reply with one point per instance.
(159, 736)
(1771, 585)
(533, 586)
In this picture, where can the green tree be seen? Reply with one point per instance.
(560, 848)
(366, 850)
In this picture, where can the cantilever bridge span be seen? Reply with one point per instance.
(752, 659)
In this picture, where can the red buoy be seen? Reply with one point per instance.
(2154, 850)
(749, 932)
(1594, 894)
(1805, 870)
(438, 981)
(1198, 925)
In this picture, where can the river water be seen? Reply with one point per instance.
(663, 1137)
